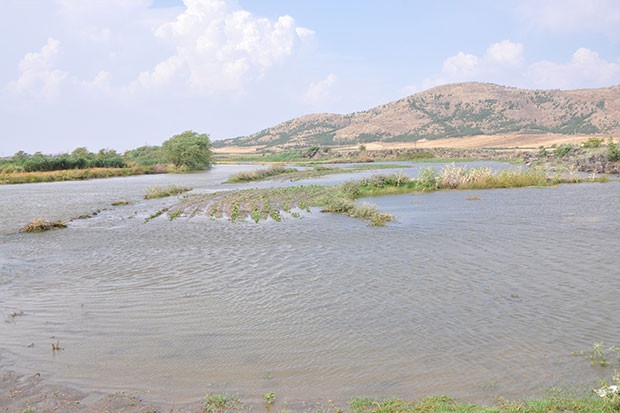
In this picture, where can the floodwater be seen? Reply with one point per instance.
(474, 294)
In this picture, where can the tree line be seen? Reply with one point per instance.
(186, 151)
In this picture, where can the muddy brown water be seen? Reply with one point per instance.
(474, 294)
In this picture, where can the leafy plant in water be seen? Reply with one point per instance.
(234, 213)
(269, 398)
(221, 402)
(599, 354)
(155, 214)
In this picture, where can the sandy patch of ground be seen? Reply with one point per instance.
(469, 142)
(484, 141)
(238, 149)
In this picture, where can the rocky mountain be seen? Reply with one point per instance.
(453, 110)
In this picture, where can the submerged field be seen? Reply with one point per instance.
(479, 294)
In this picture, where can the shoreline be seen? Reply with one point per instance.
(33, 393)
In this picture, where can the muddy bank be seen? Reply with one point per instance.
(20, 393)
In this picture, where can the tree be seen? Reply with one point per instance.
(80, 152)
(188, 151)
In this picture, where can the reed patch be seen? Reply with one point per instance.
(42, 225)
(164, 191)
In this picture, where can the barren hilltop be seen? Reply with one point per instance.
(454, 115)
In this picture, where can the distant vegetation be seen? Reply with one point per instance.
(185, 152)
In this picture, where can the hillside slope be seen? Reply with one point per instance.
(453, 111)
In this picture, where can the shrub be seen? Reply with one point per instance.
(564, 149)
(427, 180)
(592, 143)
(613, 151)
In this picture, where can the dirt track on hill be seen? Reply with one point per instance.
(469, 142)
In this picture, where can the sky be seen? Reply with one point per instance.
(120, 74)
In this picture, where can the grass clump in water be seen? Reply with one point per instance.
(41, 225)
(165, 191)
(260, 174)
(121, 202)
(222, 402)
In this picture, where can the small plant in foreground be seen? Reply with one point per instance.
(269, 398)
(221, 402)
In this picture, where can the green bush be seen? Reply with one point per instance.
(613, 151)
(564, 150)
(592, 143)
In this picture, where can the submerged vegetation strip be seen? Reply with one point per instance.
(165, 191)
(294, 174)
(261, 204)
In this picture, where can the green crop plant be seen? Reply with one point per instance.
(221, 402)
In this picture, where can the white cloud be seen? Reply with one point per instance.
(585, 69)
(500, 58)
(96, 34)
(221, 49)
(503, 63)
(461, 64)
(161, 76)
(37, 75)
(319, 92)
(101, 82)
(598, 16)
(99, 9)
(504, 53)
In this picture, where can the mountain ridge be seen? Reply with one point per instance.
(451, 111)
